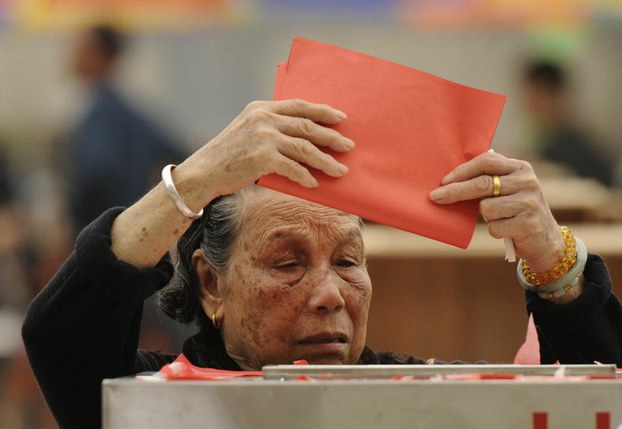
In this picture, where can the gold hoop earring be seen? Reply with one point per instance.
(215, 322)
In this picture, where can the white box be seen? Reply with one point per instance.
(361, 403)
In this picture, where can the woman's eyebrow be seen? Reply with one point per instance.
(283, 233)
(276, 236)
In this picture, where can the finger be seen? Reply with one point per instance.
(488, 163)
(472, 189)
(303, 151)
(498, 208)
(315, 133)
(291, 169)
(520, 180)
(321, 113)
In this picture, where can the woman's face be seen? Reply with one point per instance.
(297, 285)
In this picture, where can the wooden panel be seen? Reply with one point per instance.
(433, 300)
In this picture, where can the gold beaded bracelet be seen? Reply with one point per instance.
(569, 259)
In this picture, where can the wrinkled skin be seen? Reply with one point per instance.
(297, 286)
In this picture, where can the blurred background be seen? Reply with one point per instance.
(175, 72)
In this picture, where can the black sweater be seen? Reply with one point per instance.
(84, 326)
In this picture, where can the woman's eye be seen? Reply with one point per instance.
(345, 263)
(286, 265)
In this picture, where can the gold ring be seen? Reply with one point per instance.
(496, 186)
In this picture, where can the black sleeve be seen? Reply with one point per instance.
(84, 325)
(585, 330)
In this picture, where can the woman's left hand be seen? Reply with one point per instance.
(519, 212)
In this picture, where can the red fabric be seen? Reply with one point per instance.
(411, 128)
(182, 369)
(529, 352)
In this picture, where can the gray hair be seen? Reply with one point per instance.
(214, 233)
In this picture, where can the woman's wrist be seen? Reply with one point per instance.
(565, 258)
(553, 252)
(194, 185)
(169, 184)
(564, 281)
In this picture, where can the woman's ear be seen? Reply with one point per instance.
(211, 295)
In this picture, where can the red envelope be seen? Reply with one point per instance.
(410, 128)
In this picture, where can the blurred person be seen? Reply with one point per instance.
(114, 149)
(558, 136)
(115, 152)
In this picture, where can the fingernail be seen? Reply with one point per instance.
(343, 169)
(349, 143)
(341, 115)
(314, 183)
(437, 194)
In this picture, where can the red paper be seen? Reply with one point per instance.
(411, 128)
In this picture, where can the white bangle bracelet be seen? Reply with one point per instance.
(562, 284)
(167, 179)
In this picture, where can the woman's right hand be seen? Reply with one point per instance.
(267, 137)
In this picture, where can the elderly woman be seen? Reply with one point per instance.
(270, 278)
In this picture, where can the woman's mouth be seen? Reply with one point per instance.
(324, 339)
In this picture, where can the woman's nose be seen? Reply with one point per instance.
(326, 295)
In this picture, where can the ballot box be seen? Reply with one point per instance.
(378, 396)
